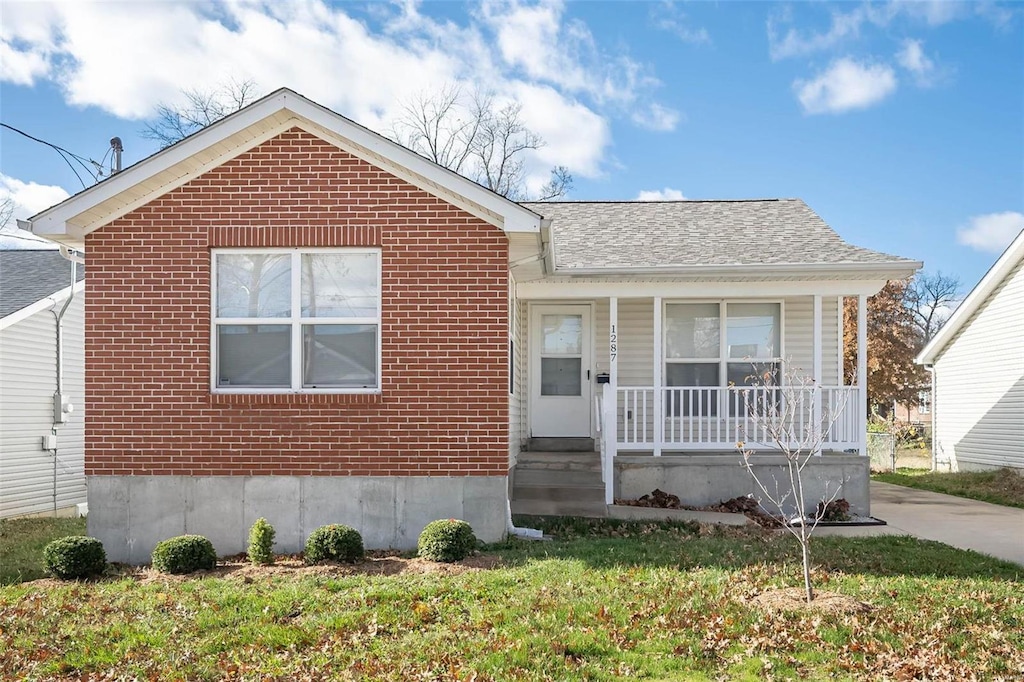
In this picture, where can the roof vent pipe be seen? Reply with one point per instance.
(115, 144)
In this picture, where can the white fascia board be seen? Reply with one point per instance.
(40, 305)
(890, 270)
(53, 222)
(979, 294)
(580, 289)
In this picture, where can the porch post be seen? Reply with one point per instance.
(659, 394)
(816, 407)
(862, 372)
(611, 424)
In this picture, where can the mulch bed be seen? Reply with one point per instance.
(795, 599)
(748, 506)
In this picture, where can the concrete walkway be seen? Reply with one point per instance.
(967, 524)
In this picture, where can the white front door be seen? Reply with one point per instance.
(560, 393)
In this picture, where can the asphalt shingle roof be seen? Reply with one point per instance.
(30, 276)
(636, 234)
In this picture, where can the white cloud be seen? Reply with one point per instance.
(912, 58)
(657, 117)
(25, 199)
(844, 86)
(321, 51)
(667, 194)
(991, 232)
(668, 17)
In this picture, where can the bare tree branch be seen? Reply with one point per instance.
(930, 298)
(201, 108)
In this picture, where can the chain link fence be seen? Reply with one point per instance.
(882, 451)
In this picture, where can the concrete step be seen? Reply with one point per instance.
(567, 461)
(551, 508)
(557, 477)
(562, 444)
(559, 493)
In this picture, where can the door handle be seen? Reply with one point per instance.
(588, 375)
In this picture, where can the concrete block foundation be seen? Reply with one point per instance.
(701, 480)
(130, 514)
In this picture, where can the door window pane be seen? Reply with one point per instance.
(752, 330)
(563, 334)
(253, 285)
(692, 330)
(339, 355)
(254, 355)
(339, 285)
(561, 376)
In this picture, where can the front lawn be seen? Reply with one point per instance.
(609, 600)
(999, 486)
(22, 542)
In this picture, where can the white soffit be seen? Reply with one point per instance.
(69, 221)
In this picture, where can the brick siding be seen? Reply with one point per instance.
(443, 405)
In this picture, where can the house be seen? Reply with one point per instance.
(977, 366)
(293, 317)
(41, 374)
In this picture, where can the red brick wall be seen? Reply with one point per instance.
(443, 406)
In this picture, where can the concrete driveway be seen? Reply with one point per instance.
(967, 524)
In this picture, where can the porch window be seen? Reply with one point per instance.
(296, 320)
(714, 345)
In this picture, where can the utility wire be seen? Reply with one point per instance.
(64, 153)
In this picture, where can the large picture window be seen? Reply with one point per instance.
(710, 345)
(294, 320)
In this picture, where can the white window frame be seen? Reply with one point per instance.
(723, 361)
(924, 402)
(295, 320)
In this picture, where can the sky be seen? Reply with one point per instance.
(900, 123)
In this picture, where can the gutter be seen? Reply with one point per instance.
(769, 268)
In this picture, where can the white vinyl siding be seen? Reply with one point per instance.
(518, 379)
(28, 380)
(979, 384)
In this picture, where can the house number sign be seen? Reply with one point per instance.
(613, 343)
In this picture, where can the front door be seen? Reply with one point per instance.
(560, 393)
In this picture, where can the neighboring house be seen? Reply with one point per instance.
(293, 317)
(35, 287)
(977, 366)
(917, 412)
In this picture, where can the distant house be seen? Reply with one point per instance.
(293, 317)
(977, 364)
(38, 477)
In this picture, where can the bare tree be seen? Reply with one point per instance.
(6, 208)
(475, 137)
(780, 417)
(930, 299)
(201, 108)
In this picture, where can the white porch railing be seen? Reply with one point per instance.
(717, 418)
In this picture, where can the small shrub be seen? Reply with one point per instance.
(184, 554)
(75, 557)
(261, 542)
(335, 542)
(446, 540)
(835, 511)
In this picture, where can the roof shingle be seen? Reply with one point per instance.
(30, 276)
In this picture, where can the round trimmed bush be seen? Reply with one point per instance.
(446, 540)
(184, 554)
(335, 542)
(75, 557)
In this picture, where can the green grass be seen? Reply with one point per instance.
(22, 542)
(999, 486)
(605, 601)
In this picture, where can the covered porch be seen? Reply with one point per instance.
(686, 370)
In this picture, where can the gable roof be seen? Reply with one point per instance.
(1012, 257)
(27, 277)
(71, 220)
(662, 236)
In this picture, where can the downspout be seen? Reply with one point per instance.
(935, 421)
(58, 397)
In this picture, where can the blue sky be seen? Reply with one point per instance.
(901, 123)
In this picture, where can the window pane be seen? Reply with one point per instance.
(563, 334)
(254, 355)
(561, 376)
(752, 330)
(691, 330)
(752, 374)
(339, 285)
(253, 285)
(339, 356)
(692, 403)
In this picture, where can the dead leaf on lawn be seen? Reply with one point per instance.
(795, 599)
